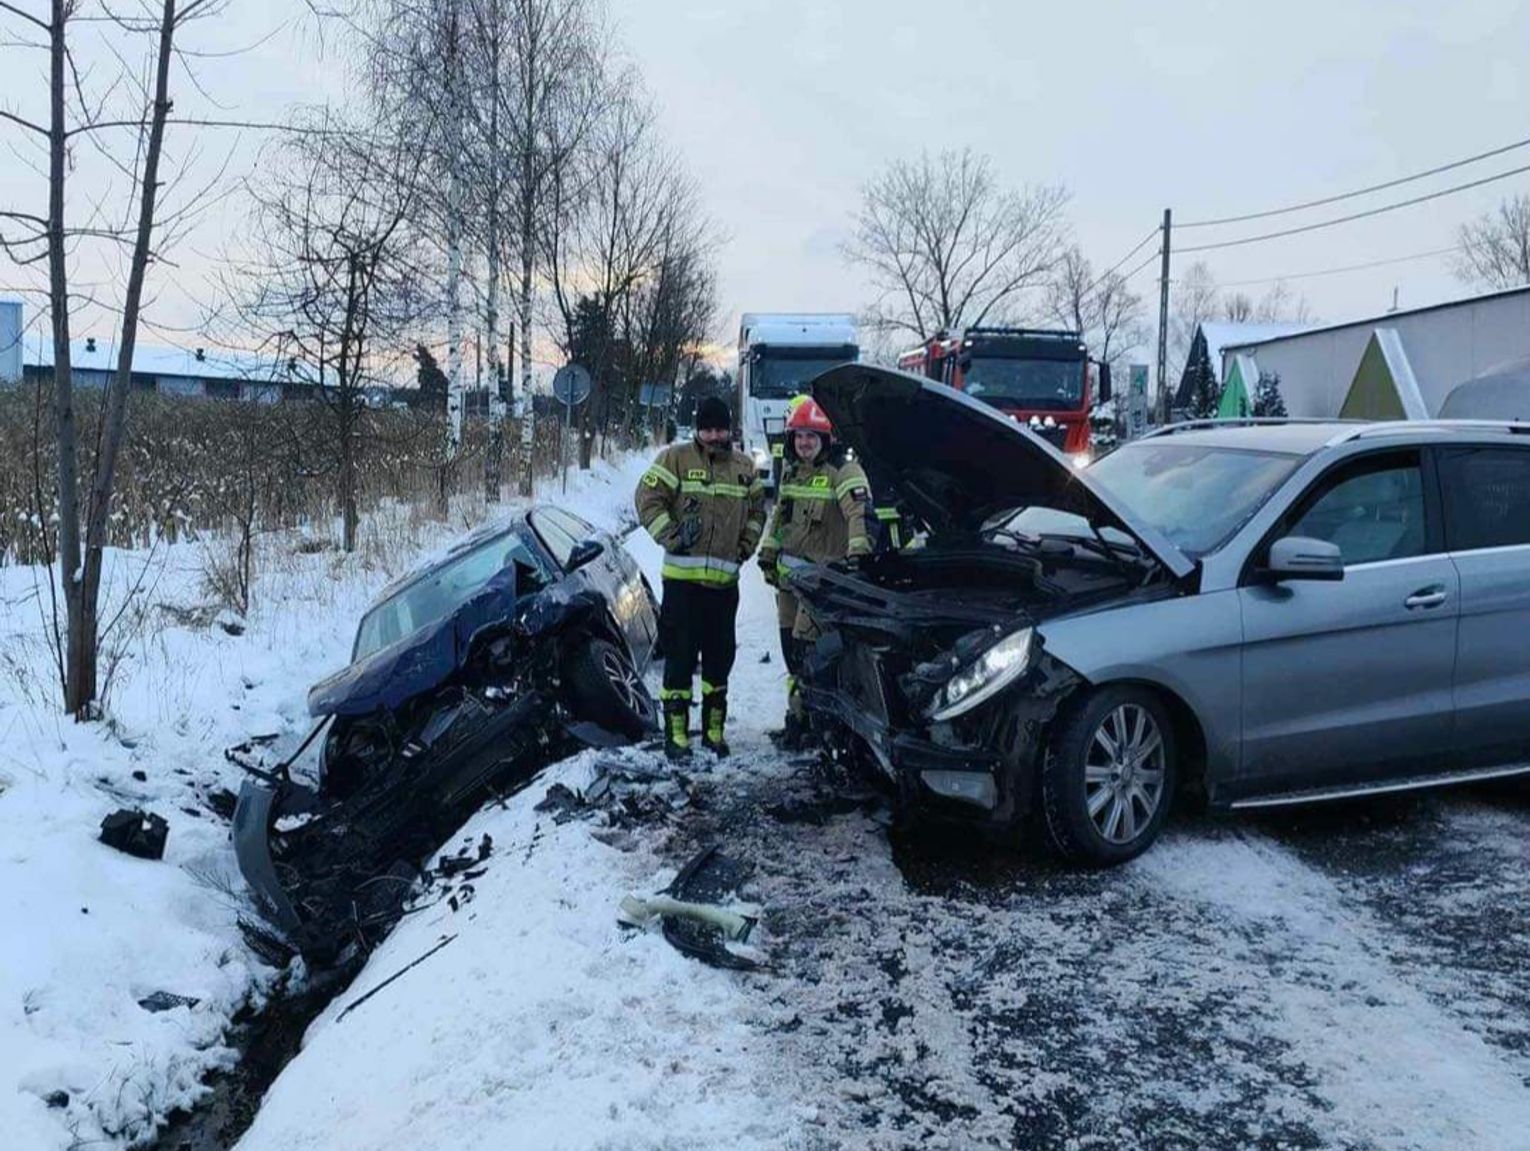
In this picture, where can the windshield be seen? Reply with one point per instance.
(1196, 496)
(437, 595)
(1041, 385)
(782, 377)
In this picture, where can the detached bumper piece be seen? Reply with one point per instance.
(693, 920)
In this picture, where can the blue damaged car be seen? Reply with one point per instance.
(521, 643)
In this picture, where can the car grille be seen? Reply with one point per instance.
(1057, 437)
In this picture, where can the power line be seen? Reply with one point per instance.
(1336, 271)
(1358, 191)
(1356, 215)
(1105, 275)
(1126, 279)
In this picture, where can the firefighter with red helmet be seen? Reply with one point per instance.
(821, 515)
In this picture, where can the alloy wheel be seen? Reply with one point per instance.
(1124, 773)
(624, 680)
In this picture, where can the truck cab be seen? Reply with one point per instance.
(1041, 378)
(778, 356)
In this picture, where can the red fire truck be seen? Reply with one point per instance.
(1045, 379)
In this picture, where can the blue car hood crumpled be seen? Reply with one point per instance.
(418, 663)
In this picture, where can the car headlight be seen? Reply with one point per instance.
(1081, 460)
(986, 676)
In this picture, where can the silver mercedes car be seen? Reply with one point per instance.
(1257, 612)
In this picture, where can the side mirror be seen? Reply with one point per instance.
(1104, 396)
(584, 553)
(1301, 558)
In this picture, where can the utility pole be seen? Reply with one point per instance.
(1163, 320)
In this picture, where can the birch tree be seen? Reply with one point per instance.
(75, 116)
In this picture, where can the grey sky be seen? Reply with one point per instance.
(782, 108)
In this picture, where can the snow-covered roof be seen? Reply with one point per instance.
(1388, 317)
(1222, 334)
(156, 360)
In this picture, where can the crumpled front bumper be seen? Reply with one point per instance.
(981, 767)
(304, 882)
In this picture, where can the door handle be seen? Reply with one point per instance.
(1429, 597)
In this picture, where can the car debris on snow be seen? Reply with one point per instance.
(444, 940)
(635, 789)
(637, 912)
(135, 832)
(693, 917)
(166, 1001)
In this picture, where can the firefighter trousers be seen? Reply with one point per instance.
(697, 624)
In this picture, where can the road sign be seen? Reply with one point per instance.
(1139, 378)
(571, 384)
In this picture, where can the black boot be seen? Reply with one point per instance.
(714, 716)
(793, 735)
(677, 724)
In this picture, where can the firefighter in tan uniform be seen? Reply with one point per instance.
(821, 516)
(704, 504)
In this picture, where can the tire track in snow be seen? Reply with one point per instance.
(1395, 1068)
(1447, 874)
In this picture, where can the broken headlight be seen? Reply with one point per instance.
(986, 676)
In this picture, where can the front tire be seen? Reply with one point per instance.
(606, 689)
(1109, 777)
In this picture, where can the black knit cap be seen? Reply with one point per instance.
(712, 413)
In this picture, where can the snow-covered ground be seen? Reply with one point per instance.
(1356, 977)
(90, 932)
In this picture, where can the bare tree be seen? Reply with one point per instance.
(1102, 309)
(1197, 298)
(333, 281)
(607, 238)
(947, 246)
(1494, 249)
(75, 115)
(1278, 305)
(555, 71)
(666, 320)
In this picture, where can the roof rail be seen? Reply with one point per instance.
(1243, 422)
(1441, 427)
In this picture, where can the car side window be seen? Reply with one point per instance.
(527, 563)
(580, 529)
(1372, 511)
(557, 539)
(1487, 498)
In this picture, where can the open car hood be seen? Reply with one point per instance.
(954, 462)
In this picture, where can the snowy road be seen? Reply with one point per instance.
(1351, 978)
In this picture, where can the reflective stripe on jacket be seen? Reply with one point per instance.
(820, 514)
(705, 508)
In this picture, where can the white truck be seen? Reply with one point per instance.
(778, 355)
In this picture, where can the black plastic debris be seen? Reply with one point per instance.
(141, 776)
(710, 880)
(466, 858)
(57, 1100)
(166, 1001)
(138, 833)
(222, 802)
(562, 802)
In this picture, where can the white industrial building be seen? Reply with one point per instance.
(1405, 363)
